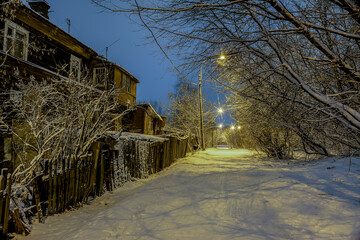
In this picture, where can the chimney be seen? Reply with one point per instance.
(41, 7)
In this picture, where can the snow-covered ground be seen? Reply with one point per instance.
(223, 194)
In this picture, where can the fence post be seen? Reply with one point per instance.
(7, 206)
(37, 199)
(2, 189)
(50, 189)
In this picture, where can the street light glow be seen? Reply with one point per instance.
(220, 110)
(238, 127)
(232, 127)
(222, 57)
(220, 125)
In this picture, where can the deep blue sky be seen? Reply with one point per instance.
(133, 52)
(138, 55)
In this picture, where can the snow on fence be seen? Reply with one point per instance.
(138, 155)
(112, 162)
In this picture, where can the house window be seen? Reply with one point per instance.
(16, 40)
(75, 67)
(126, 82)
(100, 76)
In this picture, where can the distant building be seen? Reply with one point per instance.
(145, 120)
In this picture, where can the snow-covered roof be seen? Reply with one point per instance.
(136, 136)
(42, 1)
(150, 109)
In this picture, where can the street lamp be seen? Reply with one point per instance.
(220, 110)
(202, 132)
(232, 127)
(201, 110)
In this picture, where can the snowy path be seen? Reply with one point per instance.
(223, 194)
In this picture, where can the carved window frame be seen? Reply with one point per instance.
(16, 29)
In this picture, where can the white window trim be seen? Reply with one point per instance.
(94, 75)
(11, 24)
(75, 59)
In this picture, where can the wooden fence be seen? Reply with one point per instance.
(111, 163)
(5, 190)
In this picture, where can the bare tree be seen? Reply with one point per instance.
(183, 110)
(55, 122)
(293, 55)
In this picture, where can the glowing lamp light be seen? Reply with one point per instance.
(220, 110)
(220, 125)
(222, 57)
(232, 127)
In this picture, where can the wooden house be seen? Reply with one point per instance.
(106, 73)
(33, 47)
(144, 119)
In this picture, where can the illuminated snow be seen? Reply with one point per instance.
(223, 194)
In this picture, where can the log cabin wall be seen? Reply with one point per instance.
(126, 84)
(48, 46)
(49, 49)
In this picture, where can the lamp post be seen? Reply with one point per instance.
(201, 110)
(202, 132)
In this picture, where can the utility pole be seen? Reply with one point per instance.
(201, 111)
(107, 48)
(68, 22)
(202, 132)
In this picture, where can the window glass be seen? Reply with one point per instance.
(126, 82)
(15, 40)
(128, 87)
(100, 75)
(19, 46)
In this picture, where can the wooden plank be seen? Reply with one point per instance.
(7, 207)
(96, 150)
(55, 192)
(157, 159)
(19, 225)
(150, 162)
(48, 29)
(110, 173)
(2, 189)
(80, 184)
(76, 189)
(37, 199)
(50, 195)
(72, 183)
(69, 190)
(101, 173)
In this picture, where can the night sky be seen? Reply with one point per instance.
(128, 45)
(131, 49)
